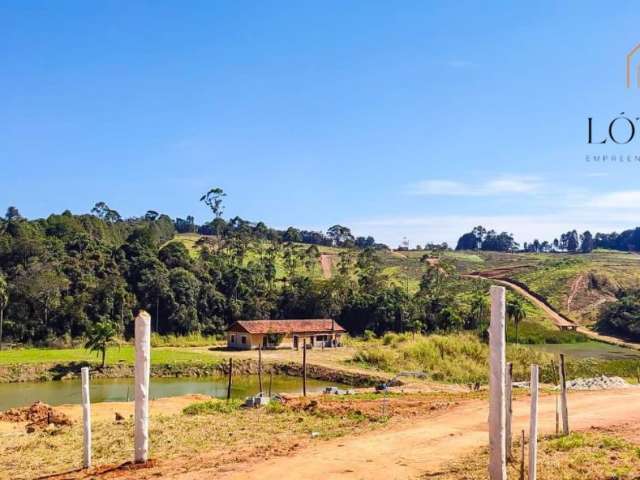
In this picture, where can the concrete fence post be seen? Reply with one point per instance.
(86, 417)
(533, 423)
(497, 438)
(141, 375)
(509, 410)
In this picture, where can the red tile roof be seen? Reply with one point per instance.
(316, 325)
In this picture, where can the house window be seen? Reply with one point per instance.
(233, 339)
(244, 340)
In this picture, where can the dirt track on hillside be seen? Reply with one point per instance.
(558, 320)
(407, 450)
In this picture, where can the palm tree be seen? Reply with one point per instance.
(100, 336)
(478, 310)
(516, 312)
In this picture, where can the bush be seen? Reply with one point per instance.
(212, 407)
(368, 335)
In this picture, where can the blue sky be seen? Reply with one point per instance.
(416, 119)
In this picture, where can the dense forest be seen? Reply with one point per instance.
(63, 275)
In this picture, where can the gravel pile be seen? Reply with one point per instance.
(597, 383)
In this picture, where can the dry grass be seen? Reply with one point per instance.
(226, 435)
(597, 454)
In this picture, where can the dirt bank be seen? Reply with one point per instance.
(46, 372)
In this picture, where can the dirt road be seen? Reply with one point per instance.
(559, 320)
(414, 448)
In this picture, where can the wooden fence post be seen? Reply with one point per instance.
(564, 409)
(509, 410)
(86, 417)
(304, 367)
(533, 423)
(142, 370)
(230, 374)
(497, 444)
(260, 367)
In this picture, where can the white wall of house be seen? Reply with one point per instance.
(247, 341)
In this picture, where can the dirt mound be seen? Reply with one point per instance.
(402, 406)
(39, 416)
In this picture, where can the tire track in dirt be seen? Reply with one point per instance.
(420, 447)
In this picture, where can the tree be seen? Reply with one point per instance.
(151, 215)
(573, 241)
(586, 245)
(4, 301)
(292, 235)
(516, 312)
(12, 214)
(478, 311)
(339, 235)
(100, 336)
(102, 211)
(213, 199)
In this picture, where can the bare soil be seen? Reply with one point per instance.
(37, 416)
(410, 448)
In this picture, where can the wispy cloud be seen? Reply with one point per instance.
(499, 186)
(624, 199)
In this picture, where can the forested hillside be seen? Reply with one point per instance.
(66, 274)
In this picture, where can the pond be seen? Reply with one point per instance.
(597, 350)
(121, 389)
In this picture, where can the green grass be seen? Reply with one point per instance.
(462, 358)
(191, 340)
(123, 354)
(212, 406)
(455, 358)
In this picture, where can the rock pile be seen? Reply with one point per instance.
(597, 383)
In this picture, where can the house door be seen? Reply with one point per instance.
(295, 342)
(264, 341)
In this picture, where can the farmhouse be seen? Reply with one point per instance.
(250, 334)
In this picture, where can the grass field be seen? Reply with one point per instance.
(463, 358)
(123, 354)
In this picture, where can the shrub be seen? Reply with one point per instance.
(211, 407)
(368, 335)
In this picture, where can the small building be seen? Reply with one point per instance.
(270, 334)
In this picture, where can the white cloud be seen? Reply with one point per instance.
(499, 186)
(625, 199)
(448, 228)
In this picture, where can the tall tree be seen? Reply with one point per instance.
(214, 200)
(516, 312)
(586, 245)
